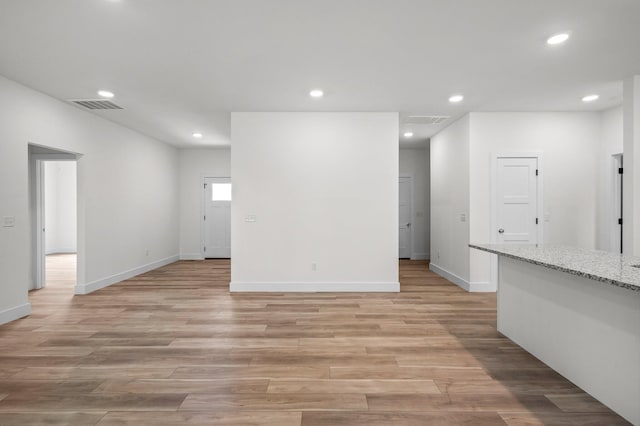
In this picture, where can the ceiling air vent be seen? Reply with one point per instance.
(426, 119)
(95, 104)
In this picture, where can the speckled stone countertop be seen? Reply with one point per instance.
(606, 267)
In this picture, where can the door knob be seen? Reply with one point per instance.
(501, 231)
(408, 225)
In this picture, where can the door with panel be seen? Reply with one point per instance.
(404, 215)
(217, 218)
(517, 200)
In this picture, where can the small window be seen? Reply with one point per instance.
(220, 192)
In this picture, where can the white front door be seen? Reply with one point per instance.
(517, 200)
(217, 218)
(405, 197)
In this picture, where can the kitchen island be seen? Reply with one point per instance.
(578, 311)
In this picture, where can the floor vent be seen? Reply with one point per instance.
(95, 104)
(426, 119)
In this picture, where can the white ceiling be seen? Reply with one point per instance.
(179, 66)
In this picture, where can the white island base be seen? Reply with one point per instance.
(586, 330)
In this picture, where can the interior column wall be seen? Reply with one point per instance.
(315, 201)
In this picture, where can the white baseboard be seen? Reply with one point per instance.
(191, 256)
(61, 251)
(481, 287)
(13, 314)
(419, 256)
(113, 279)
(315, 287)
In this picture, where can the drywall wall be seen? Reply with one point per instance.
(568, 143)
(450, 201)
(611, 141)
(631, 141)
(415, 163)
(304, 194)
(127, 194)
(60, 207)
(195, 165)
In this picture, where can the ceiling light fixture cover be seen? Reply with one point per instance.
(590, 98)
(408, 134)
(558, 38)
(316, 93)
(198, 135)
(456, 98)
(106, 94)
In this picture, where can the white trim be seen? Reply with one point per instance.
(39, 261)
(68, 250)
(480, 287)
(191, 256)
(15, 313)
(538, 155)
(113, 279)
(420, 256)
(614, 202)
(315, 287)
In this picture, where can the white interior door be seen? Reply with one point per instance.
(405, 215)
(517, 200)
(217, 218)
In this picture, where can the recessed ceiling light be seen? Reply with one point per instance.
(456, 98)
(198, 135)
(408, 134)
(316, 93)
(590, 98)
(558, 38)
(106, 94)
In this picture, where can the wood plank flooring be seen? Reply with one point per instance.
(174, 347)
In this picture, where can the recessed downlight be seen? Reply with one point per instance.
(316, 93)
(558, 39)
(106, 94)
(197, 135)
(456, 99)
(408, 134)
(590, 98)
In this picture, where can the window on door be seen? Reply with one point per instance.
(221, 192)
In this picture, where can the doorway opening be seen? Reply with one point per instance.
(54, 211)
(216, 218)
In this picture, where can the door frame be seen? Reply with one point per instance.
(413, 213)
(203, 208)
(39, 251)
(615, 201)
(493, 238)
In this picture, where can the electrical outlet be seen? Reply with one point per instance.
(8, 222)
(314, 266)
(147, 253)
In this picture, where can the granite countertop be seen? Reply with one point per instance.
(611, 268)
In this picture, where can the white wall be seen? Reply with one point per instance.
(450, 199)
(127, 195)
(611, 141)
(569, 144)
(415, 163)
(461, 184)
(195, 164)
(316, 198)
(60, 207)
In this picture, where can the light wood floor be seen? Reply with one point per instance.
(61, 271)
(173, 347)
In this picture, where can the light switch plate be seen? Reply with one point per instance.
(250, 218)
(8, 222)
